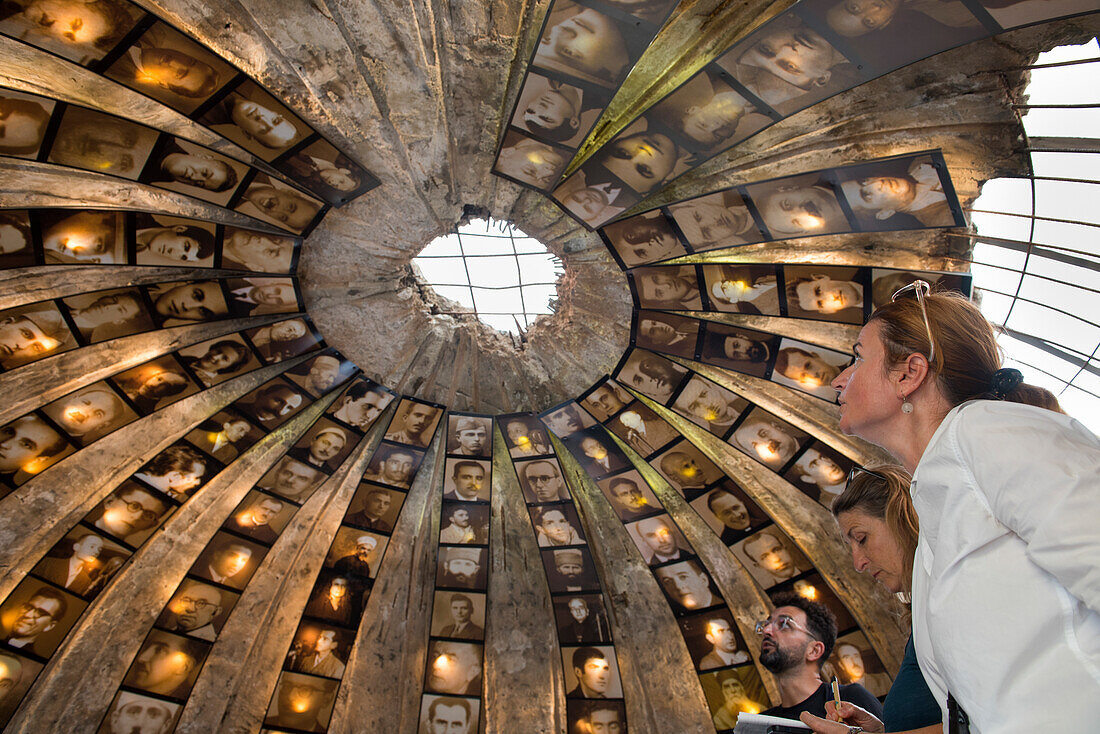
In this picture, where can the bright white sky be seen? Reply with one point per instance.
(505, 275)
(1064, 307)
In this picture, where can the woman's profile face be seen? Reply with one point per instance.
(868, 399)
(874, 548)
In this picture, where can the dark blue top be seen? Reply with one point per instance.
(909, 704)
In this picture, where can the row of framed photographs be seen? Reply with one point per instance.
(90, 140)
(456, 649)
(119, 40)
(30, 237)
(585, 50)
(589, 660)
(825, 47)
(34, 331)
(169, 662)
(838, 293)
(38, 614)
(306, 690)
(905, 192)
(39, 439)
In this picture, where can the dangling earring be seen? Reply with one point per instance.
(906, 406)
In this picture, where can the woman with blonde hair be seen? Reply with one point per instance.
(1006, 584)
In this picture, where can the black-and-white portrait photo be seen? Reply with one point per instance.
(29, 333)
(414, 423)
(557, 525)
(596, 715)
(715, 220)
(338, 598)
(596, 451)
(327, 172)
(743, 288)
(642, 239)
(542, 481)
(82, 562)
(729, 511)
(525, 436)
(606, 399)
(217, 360)
(302, 702)
(322, 373)
(644, 430)
(667, 287)
(651, 374)
(229, 560)
(283, 339)
(132, 712)
(17, 673)
(274, 403)
(292, 480)
(555, 111)
(769, 440)
(855, 661)
(687, 468)
(25, 118)
(393, 465)
(885, 283)
(167, 665)
(181, 166)
(245, 249)
(77, 30)
(356, 553)
(737, 348)
(29, 445)
(463, 523)
(567, 419)
(103, 315)
(374, 508)
(16, 240)
(709, 405)
(86, 236)
(454, 668)
(324, 446)
(320, 649)
(187, 302)
(131, 512)
(581, 619)
(729, 692)
(591, 672)
(687, 586)
(821, 472)
(36, 616)
(164, 240)
(570, 569)
(274, 202)
(448, 715)
(261, 517)
(799, 206)
(530, 161)
(659, 540)
(469, 435)
(585, 44)
(256, 121)
(462, 568)
(90, 413)
(630, 496)
(197, 609)
(825, 293)
(809, 368)
(458, 615)
(178, 471)
(906, 193)
(667, 333)
(361, 404)
(771, 557)
(714, 640)
(224, 435)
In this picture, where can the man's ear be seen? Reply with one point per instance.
(815, 651)
(885, 213)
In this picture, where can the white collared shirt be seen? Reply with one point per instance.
(1006, 579)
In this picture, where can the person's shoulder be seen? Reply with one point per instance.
(860, 696)
(1004, 421)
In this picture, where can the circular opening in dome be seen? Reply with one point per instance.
(491, 269)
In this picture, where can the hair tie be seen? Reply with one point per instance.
(1004, 381)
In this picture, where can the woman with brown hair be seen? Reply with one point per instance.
(1006, 584)
(878, 522)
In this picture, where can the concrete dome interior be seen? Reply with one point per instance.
(313, 495)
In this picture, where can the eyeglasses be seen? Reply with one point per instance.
(922, 289)
(860, 470)
(782, 623)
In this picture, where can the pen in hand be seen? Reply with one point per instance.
(836, 694)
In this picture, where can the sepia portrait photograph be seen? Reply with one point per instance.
(320, 649)
(729, 511)
(641, 428)
(217, 360)
(324, 446)
(167, 665)
(531, 162)
(651, 374)
(771, 557)
(93, 141)
(587, 45)
(458, 615)
(659, 540)
(542, 481)
(525, 436)
(567, 419)
(322, 373)
(592, 716)
(414, 423)
(82, 562)
(338, 598)
(715, 221)
(593, 202)
(556, 111)
(374, 508)
(292, 480)
(229, 560)
(825, 293)
(460, 567)
(707, 114)
(178, 471)
(356, 553)
(25, 118)
(463, 523)
(687, 586)
(855, 661)
(809, 368)
(36, 616)
(261, 517)
(274, 202)
(29, 333)
(130, 712)
(789, 65)
(181, 166)
(642, 239)
(469, 435)
(686, 468)
(131, 512)
(246, 249)
(454, 668)
(737, 348)
(900, 193)
(29, 445)
(812, 586)
(709, 405)
(667, 333)
(729, 692)
(256, 121)
(1015, 13)
(752, 289)
(198, 610)
(448, 715)
(17, 673)
(799, 206)
(630, 496)
(581, 619)
(187, 302)
(885, 283)
(569, 570)
(606, 399)
(82, 237)
(83, 31)
(327, 172)
(16, 241)
(714, 640)
(642, 158)
(302, 702)
(360, 404)
(771, 441)
(171, 68)
(591, 671)
(557, 525)
(164, 240)
(393, 465)
(821, 472)
(156, 384)
(596, 452)
(274, 403)
(90, 413)
(283, 339)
